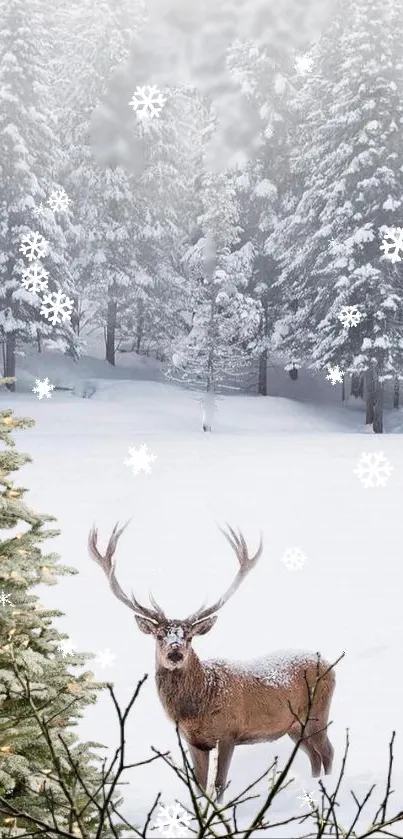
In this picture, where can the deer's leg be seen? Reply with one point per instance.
(308, 747)
(225, 752)
(200, 760)
(324, 747)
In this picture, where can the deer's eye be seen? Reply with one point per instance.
(160, 636)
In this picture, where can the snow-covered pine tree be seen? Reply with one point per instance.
(223, 320)
(36, 680)
(28, 150)
(347, 159)
(264, 183)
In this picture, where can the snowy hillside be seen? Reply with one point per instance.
(271, 465)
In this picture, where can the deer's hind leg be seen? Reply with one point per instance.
(309, 748)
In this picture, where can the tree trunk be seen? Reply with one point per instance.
(343, 389)
(38, 341)
(262, 382)
(356, 388)
(396, 392)
(111, 331)
(378, 409)
(9, 366)
(369, 397)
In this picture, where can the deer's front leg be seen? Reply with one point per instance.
(225, 752)
(200, 760)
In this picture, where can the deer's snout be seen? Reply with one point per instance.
(174, 654)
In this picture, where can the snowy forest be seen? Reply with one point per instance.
(201, 230)
(236, 225)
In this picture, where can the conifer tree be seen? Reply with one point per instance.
(28, 152)
(348, 165)
(42, 695)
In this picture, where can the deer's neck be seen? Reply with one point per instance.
(186, 691)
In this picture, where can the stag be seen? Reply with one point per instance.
(223, 703)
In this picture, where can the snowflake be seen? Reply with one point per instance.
(59, 201)
(5, 599)
(335, 375)
(105, 658)
(396, 235)
(303, 64)
(58, 305)
(173, 820)
(373, 469)
(36, 276)
(66, 647)
(38, 211)
(307, 798)
(350, 315)
(33, 246)
(140, 460)
(147, 101)
(294, 559)
(43, 388)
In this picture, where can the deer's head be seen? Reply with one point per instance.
(173, 638)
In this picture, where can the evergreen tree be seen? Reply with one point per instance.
(349, 166)
(41, 694)
(28, 150)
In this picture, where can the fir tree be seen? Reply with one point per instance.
(42, 695)
(349, 167)
(28, 151)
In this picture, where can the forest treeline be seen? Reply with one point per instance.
(233, 227)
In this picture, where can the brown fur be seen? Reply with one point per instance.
(216, 703)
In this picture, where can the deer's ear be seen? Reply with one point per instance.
(146, 626)
(204, 626)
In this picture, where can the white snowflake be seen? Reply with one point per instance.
(5, 599)
(104, 658)
(373, 469)
(335, 375)
(294, 559)
(34, 278)
(350, 315)
(396, 245)
(57, 307)
(140, 460)
(303, 64)
(172, 820)
(38, 211)
(59, 201)
(147, 101)
(43, 388)
(66, 647)
(307, 798)
(34, 246)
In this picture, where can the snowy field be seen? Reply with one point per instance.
(272, 465)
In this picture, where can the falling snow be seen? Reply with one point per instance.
(66, 647)
(294, 559)
(34, 278)
(59, 201)
(392, 248)
(57, 307)
(350, 316)
(147, 102)
(43, 388)
(140, 460)
(34, 246)
(373, 469)
(172, 820)
(335, 375)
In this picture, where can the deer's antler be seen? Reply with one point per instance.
(108, 562)
(246, 564)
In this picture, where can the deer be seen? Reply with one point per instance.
(220, 704)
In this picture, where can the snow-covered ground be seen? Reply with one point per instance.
(272, 465)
